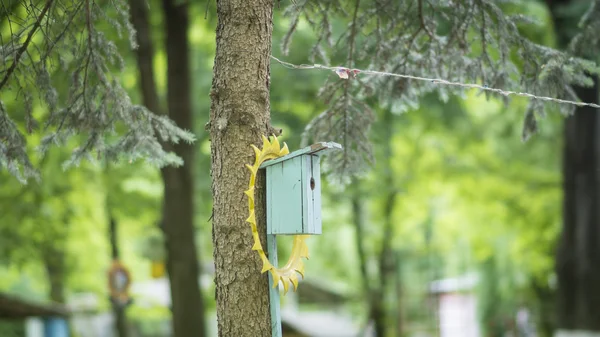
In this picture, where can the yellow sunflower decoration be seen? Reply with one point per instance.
(288, 273)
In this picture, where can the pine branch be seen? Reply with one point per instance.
(74, 67)
(433, 40)
(347, 85)
(422, 19)
(25, 45)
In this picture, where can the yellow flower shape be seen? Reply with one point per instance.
(295, 265)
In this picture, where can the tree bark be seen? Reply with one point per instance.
(578, 253)
(178, 208)
(239, 116)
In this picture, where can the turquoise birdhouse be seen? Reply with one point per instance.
(294, 191)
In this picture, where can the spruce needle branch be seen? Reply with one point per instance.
(21, 50)
(484, 52)
(60, 36)
(422, 19)
(88, 15)
(90, 51)
(347, 84)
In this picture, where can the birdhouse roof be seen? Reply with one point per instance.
(317, 149)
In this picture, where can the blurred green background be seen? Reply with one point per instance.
(471, 212)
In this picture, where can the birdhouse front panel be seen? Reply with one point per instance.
(284, 197)
(294, 191)
(293, 196)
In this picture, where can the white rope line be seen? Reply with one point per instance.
(345, 73)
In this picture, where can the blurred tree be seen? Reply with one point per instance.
(387, 267)
(22, 237)
(178, 207)
(119, 309)
(57, 222)
(376, 288)
(148, 133)
(178, 212)
(475, 41)
(42, 37)
(578, 252)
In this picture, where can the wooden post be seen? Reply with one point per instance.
(293, 206)
(274, 292)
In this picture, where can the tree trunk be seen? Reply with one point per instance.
(545, 306)
(145, 55)
(578, 253)
(399, 321)
(387, 265)
(54, 263)
(239, 116)
(371, 293)
(178, 214)
(579, 246)
(118, 310)
(358, 217)
(178, 208)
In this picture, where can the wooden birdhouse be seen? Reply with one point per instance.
(294, 191)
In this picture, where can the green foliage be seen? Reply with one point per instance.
(57, 54)
(12, 328)
(468, 41)
(67, 210)
(586, 41)
(470, 191)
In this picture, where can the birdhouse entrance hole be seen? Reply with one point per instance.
(294, 191)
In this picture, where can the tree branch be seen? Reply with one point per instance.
(347, 84)
(422, 19)
(23, 48)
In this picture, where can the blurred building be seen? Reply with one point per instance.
(20, 317)
(456, 306)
